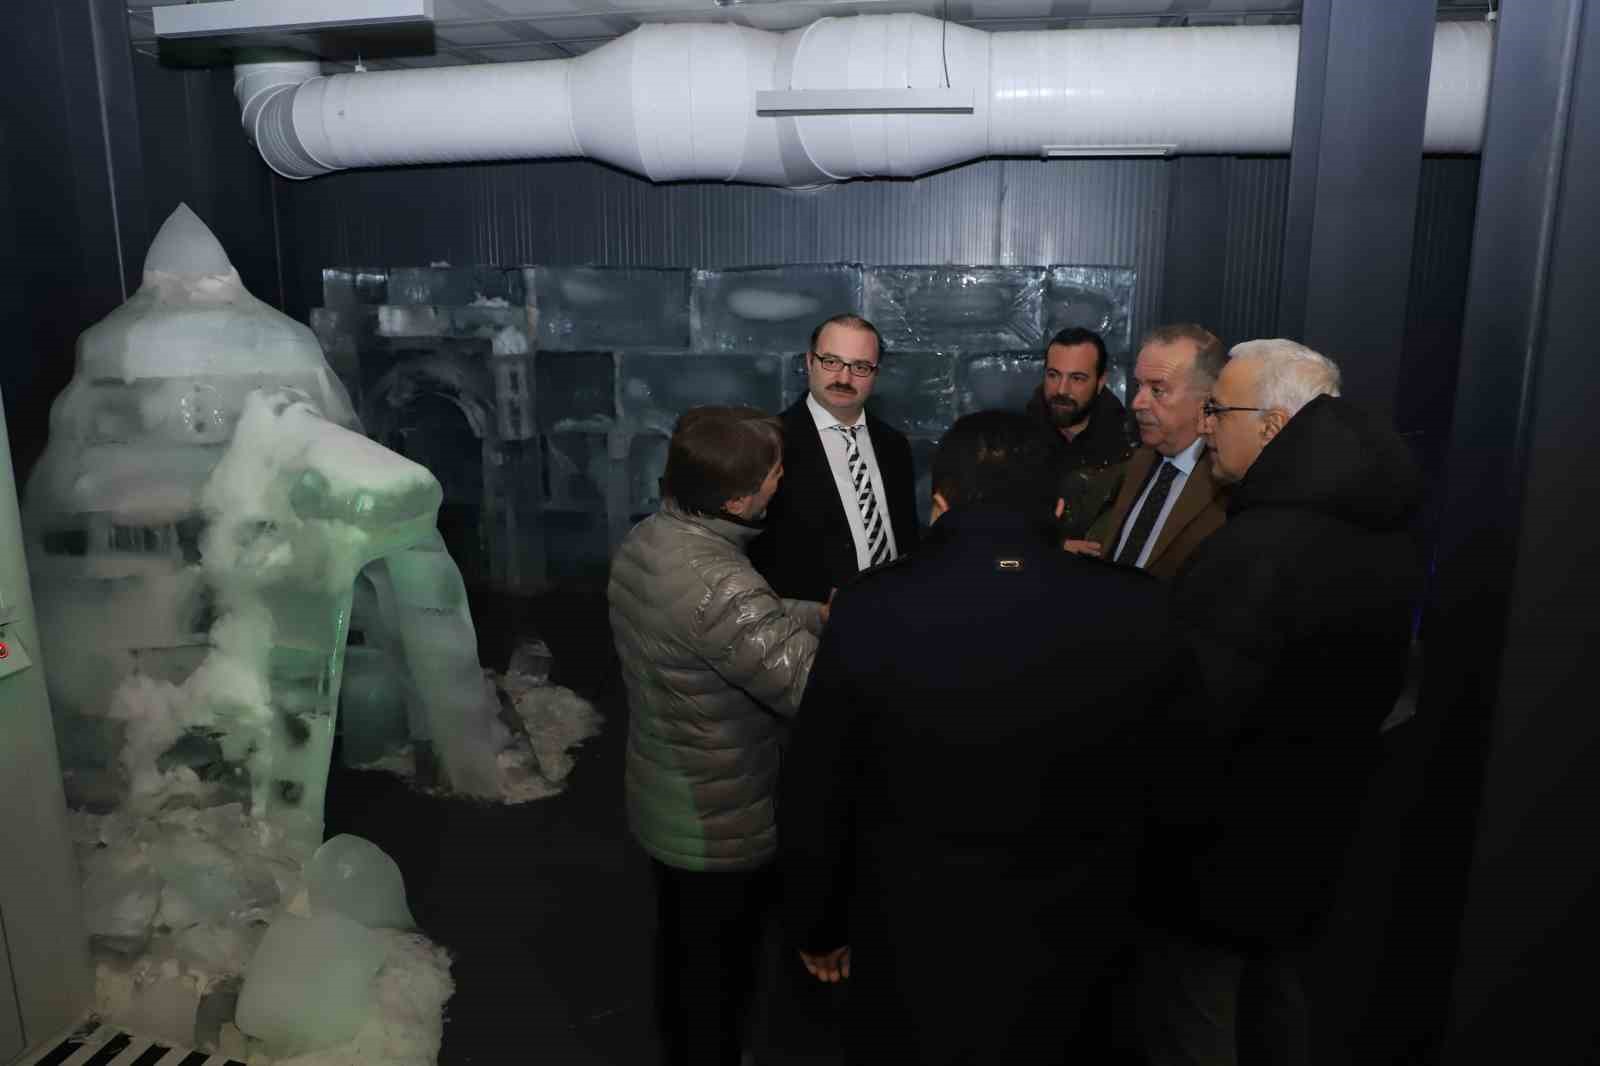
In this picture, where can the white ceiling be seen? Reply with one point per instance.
(502, 31)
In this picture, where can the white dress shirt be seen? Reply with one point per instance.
(1184, 461)
(834, 446)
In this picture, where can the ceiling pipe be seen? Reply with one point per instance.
(677, 101)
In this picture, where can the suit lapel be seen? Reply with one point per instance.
(815, 481)
(1197, 493)
(804, 454)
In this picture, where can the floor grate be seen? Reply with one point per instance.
(94, 1044)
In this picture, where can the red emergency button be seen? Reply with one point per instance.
(5, 650)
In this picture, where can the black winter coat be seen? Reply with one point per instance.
(961, 798)
(1300, 610)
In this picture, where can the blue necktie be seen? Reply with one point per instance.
(1146, 521)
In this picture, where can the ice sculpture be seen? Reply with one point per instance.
(196, 528)
(208, 933)
(310, 983)
(353, 877)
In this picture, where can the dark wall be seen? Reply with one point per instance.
(61, 224)
(97, 146)
(194, 152)
(1224, 243)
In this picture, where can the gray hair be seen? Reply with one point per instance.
(1208, 357)
(1292, 375)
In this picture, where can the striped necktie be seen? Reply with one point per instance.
(866, 501)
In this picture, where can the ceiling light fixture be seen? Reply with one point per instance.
(219, 18)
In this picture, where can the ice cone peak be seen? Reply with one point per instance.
(186, 246)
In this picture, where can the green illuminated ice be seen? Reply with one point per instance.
(197, 528)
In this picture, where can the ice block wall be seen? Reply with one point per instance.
(542, 397)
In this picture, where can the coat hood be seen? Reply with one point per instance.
(1338, 459)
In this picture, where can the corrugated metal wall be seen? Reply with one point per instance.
(193, 152)
(1442, 251)
(1257, 192)
(1011, 212)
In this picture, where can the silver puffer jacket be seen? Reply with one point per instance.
(714, 661)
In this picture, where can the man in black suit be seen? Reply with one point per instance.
(960, 804)
(847, 502)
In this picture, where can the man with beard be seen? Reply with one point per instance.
(1169, 502)
(847, 502)
(1087, 425)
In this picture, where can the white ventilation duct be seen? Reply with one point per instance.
(677, 101)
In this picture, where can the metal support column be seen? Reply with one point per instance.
(1360, 101)
(1516, 627)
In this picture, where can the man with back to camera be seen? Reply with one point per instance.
(954, 838)
(847, 502)
(714, 662)
(1087, 425)
(1169, 501)
(1300, 610)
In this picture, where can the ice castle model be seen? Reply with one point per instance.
(203, 520)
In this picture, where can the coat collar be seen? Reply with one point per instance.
(734, 530)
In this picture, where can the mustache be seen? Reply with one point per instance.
(851, 389)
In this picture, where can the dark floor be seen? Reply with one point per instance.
(547, 907)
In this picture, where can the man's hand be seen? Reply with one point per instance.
(1081, 547)
(830, 967)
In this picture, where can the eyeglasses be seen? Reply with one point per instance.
(1211, 409)
(833, 364)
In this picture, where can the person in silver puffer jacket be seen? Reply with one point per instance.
(713, 662)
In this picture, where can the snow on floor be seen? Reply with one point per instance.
(178, 897)
(177, 903)
(413, 986)
(549, 723)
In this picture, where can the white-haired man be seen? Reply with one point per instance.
(1300, 611)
